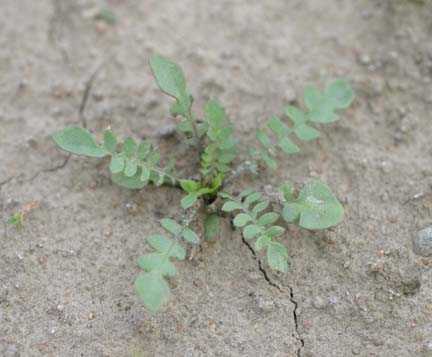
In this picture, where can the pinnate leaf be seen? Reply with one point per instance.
(316, 207)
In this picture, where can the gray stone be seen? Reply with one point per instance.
(422, 244)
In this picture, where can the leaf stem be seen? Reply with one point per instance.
(189, 116)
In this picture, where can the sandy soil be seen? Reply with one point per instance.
(66, 277)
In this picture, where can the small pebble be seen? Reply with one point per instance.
(422, 244)
(91, 316)
(60, 307)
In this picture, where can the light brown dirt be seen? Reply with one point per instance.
(66, 278)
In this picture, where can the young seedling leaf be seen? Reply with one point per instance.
(145, 174)
(268, 218)
(275, 231)
(110, 141)
(152, 289)
(262, 242)
(158, 262)
(117, 164)
(316, 207)
(322, 107)
(129, 147)
(212, 227)
(215, 114)
(166, 246)
(259, 207)
(340, 94)
(252, 198)
(79, 141)
(169, 76)
(171, 226)
(241, 219)
(131, 168)
(133, 183)
(190, 185)
(188, 200)
(143, 150)
(231, 206)
(251, 231)
(277, 257)
(190, 236)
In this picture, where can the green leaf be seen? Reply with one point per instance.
(287, 145)
(212, 227)
(287, 190)
(316, 207)
(340, 93)
(268, 218)
(231, 206)
(131, 168)
(145, 174)
(171, 226)
(275, 231)
(215, 114)
(246, 192)
(158, 262)
(277, 257)
(202, 129)
(188, 200)
(226, 157)
(251, 231)
(259, 207)
(143, 150)
(241, 219)
(226, 195)
(295, 114)
(190, 236)
(14, 220)
(190, 185)
(270, 161)
(170, 79)
(185, 126)
(110, 141)
(117, 164)
(129, 147)
(262, 242)
(264, 139)
(152, 289)
(226, 144)
(169, 76)
(277, 126)
(167, 246)
(252, 198)
(154, 157)
(306, 132)
(79, 141)
(133, 182)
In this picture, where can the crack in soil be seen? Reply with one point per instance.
(297, 334)
(51, 169)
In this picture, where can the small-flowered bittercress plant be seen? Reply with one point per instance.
(135, 166)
